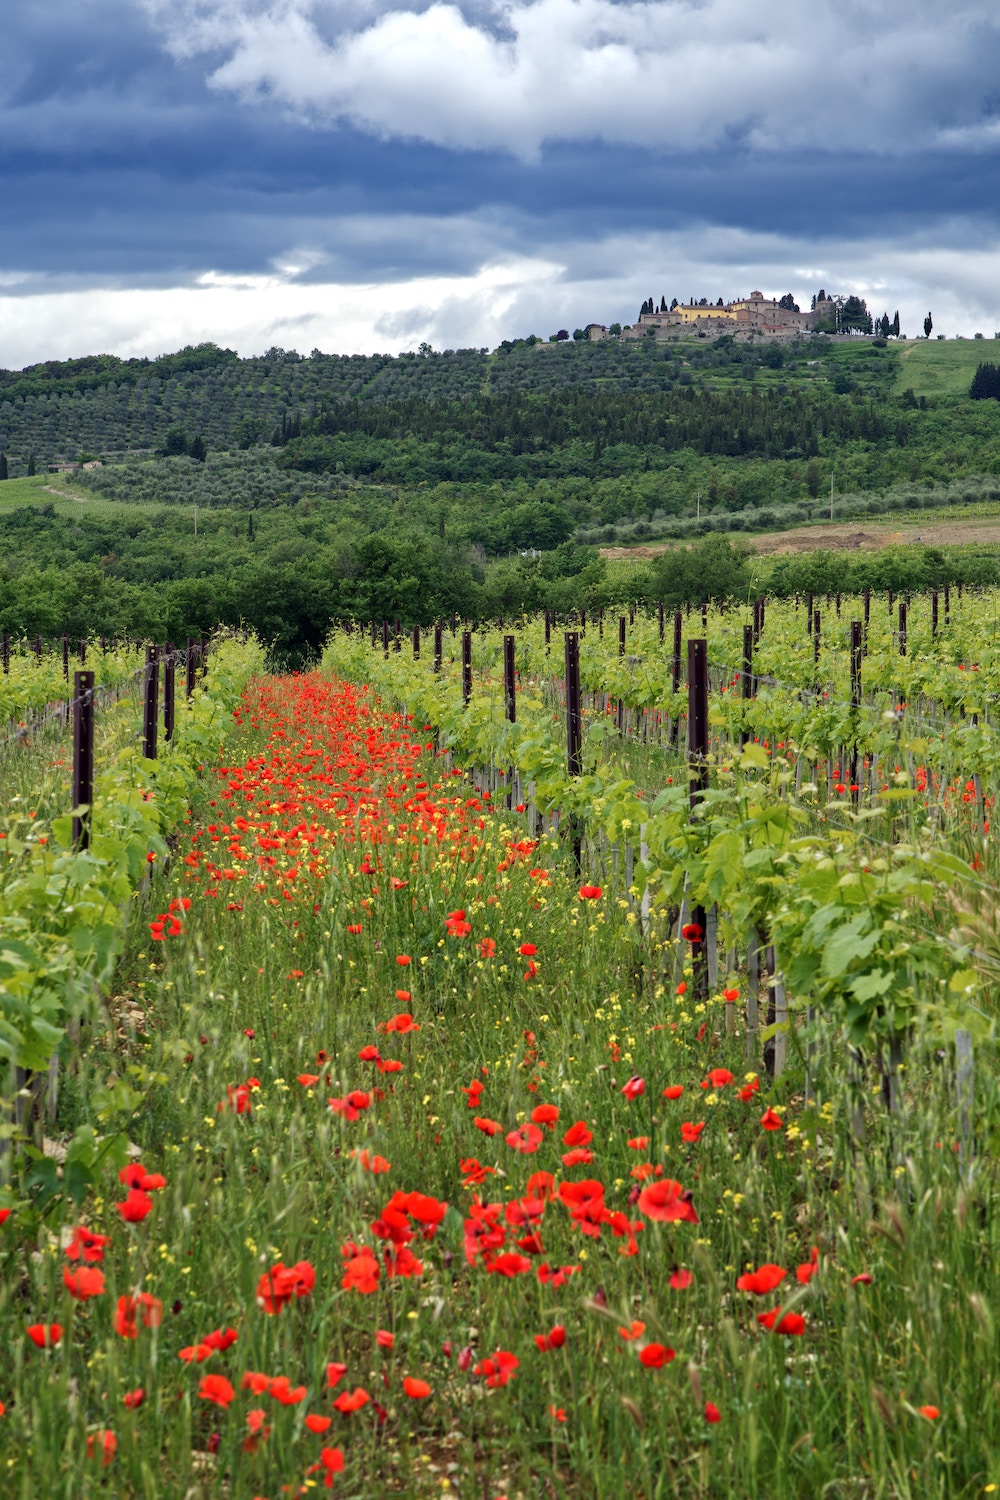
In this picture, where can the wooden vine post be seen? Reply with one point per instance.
(746, 676)
(510, 704)
(856, 647)
(83, 757)
(574, 729)
(698, 780)
(466, 665)
(168, 693)
(438, 645)
(150, 702)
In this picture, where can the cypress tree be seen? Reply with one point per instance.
(3, 465)
(985, 383)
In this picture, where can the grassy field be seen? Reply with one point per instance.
(442, 1182)
(68, 499)
(942, 367)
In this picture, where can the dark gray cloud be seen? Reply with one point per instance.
(122, 165)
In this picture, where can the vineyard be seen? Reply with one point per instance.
(555, 1059)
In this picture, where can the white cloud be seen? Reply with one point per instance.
(868, 75)
(565, 285)
(251, 313)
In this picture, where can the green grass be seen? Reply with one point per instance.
(942, 367)
(67, 499)
(268, 982)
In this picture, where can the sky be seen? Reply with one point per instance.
(367, 176)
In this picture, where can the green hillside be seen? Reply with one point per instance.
(942, 367)
(103, 405)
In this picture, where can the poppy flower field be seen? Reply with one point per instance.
(410, 1156)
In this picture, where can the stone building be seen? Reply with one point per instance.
(755, 316)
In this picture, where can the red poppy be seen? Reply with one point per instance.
(308, 1079)
(864, 1278)
(590, 893)
(85, 1245)
(196, 1353)
(487, 947)
(578, 1135)
(667, 1202)
(284, 1392)
(87, 1282)
(771, 1121)
(102, 1444)
(335, 1373)
(673, 1091)
(635, 1330)
(655, 1356)
(402, 1023)
(717, 1078)
(634, 1088)
(256, 1382)
(332, 1460)
(526, 1139)
(638, 1143)
(487, 1126)
(473, 1092)
(216, 1388)
(692, 932)
(136, 1206)
(792, 1323)
(761, 1281)
(282, 1283)
(681, 1279)
(402, 959)
(528, 950)
(578, 1158)
(417, 1390)
(130, 1310)
(712, 1412)
(554, 1339)
(384, 1339)
(930, 1412)
(499, 1368)
(349, 1401)
(555, 1278)
(258, 1429)
(351, 1106)
(45, 1335)
(508, 1264)
(361, 1272)
(808, 1269)
(354, 928)
(318, 1424)
(692, 1133)
(545, 1114)
(134, 1399)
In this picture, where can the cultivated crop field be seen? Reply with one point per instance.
(469, 1110)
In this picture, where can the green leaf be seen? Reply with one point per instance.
(868, 986)
(848, 944)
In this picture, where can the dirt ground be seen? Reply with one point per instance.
(851, 537)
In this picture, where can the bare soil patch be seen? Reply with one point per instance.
(850, 537)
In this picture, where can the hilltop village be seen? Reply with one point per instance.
(753, 317)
